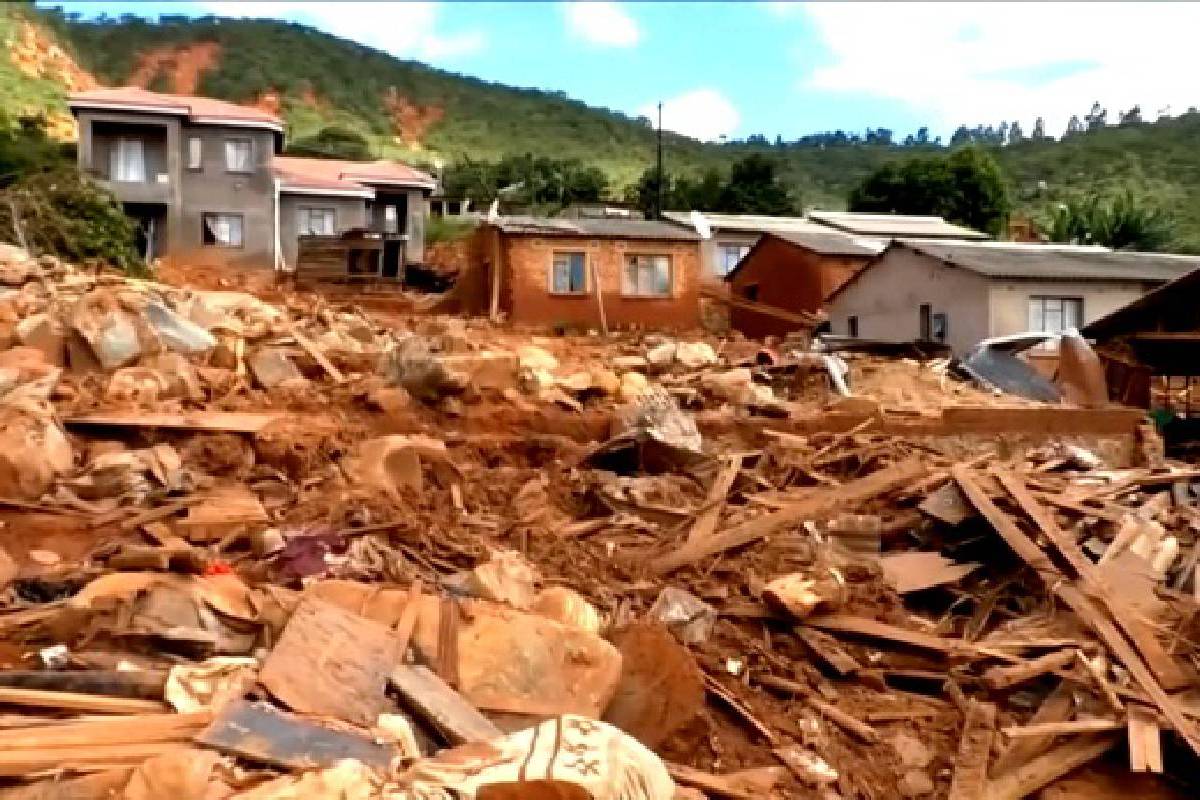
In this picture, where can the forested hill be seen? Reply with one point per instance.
(408, 110)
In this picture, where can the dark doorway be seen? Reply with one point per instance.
(392, 252)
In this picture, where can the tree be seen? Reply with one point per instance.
(1015, 134)
(1074, 126)
(333, 142)
(1131, 117)
(961, 136)
(964, 187)
(1039, 130)
(645, 193)
(1121, 222)
(755, 188)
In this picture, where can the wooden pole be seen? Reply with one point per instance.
(496, 267)
(599, 296)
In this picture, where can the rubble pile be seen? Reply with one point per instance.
(280, 550)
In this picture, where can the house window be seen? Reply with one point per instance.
(128, 161)
(646, 276)
(391, 219)
(568, 274)
(730, 254)
(926, 322)
(941, 326)
(222, 230)
(852, 327)
(314, 222)
(1050, 314)
(239, 155)
(750, 292)
(195, 152)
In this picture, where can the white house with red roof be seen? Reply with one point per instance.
(206, 184)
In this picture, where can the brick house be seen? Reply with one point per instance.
(794, 271)
(560, 272)
(204, 180)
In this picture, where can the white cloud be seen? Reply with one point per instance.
(402, 29)
(602, 23)
(704, 114)
(984, 62)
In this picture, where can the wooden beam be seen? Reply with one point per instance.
(1051, 729)
(75, 701)
(997, 678)
(1165, 668)
(874, 629)
(974, 749)
(1057, 707)
(819, 503)
(1085, 608)
(708, 518)
(1048, 767)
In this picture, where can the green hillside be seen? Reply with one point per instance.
(321, 80)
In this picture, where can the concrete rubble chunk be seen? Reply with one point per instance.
(43, 332)
(409, 363)
(387, 464)
(522, 663)
(34, 450)
(176, 332)
(273, 367)
(685, 615)
(800, 594)
(656, 415)
(507, 577)
(695, 355)
(568, 607)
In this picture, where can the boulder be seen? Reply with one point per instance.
(272, 367)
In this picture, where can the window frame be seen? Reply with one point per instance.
(587, 282)
(925, 322)
(116, 161)
(249, 142)
(195, 153)
(633, 259)
(852, 326)
(216, 215)
(306, 212)
(1063, 301)
(723, 250)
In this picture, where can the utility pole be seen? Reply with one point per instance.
(658, 202)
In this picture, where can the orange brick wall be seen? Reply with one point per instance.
(789, 277)
(526, 296)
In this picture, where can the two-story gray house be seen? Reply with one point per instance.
(204, 180)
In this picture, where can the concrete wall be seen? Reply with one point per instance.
(888, 295)
(1009, 300)
(214, 189)
(787, 276)
(348, 212)
(525, 288)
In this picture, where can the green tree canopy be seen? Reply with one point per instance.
(333, 142)
(1122, 222)
(964, 187)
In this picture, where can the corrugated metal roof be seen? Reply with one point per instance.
(894, 225)
(831, 243)
(603, 228)
(1065, 262)
(750, 223)
(203, 108)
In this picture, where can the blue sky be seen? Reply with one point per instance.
(736, 69)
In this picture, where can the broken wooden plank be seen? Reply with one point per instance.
(971, 762)
(1084, 607)
(317, 354)
(261, 732)
(1145, 741)
(1050, 730)
(82, 757)
(826, 648)
(917, 570)
(134, 729)
(77, 701)
(748, 784)
(222, 421)
(144, 684)
(1168, 672)
(1048, 767)
(708, 518)
(1004, 677)
(852, 725)
(445, 709)
(874, 629)
(819, 503)
(1057, 707)
(738, 707)
(332, 662)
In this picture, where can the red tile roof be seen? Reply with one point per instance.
(198, 109)
(333, 173)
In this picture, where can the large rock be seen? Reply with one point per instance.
(517, 662)
(661, 688)
(272, 367)
(110, 331)
(34, 451)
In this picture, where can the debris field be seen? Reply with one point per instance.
(293, 547)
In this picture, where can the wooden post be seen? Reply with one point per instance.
(599, 295)
(496, 267)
